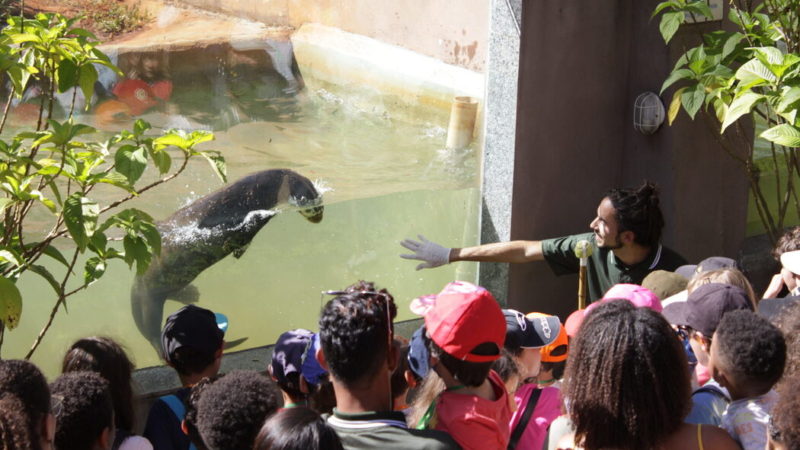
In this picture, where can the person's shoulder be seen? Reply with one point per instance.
(431, 439)
(136, 443)
(773, 308)
(710, 437)
(715, 438)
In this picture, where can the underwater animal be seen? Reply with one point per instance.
(204, 232)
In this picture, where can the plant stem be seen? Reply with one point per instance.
(61, 298)
(149, 186)
(37, 251)
(6, 109)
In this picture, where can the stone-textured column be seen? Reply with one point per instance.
(502, 69)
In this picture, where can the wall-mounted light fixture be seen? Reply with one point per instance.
(648, 113)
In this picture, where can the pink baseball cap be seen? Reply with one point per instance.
(460, 318)
(574, 321)
(641, 297)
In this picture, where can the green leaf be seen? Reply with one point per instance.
(10, 257)
(54, 253)
(664, 5)
(783, 134)
(131, 161)
(731, 43)
(754, 71)
(720, 109)
(80, 215)
(171, 139)
(789, 99)
(676, 75)
(769, 55)
(669, 24)
(217, 162)
(49, 204)
(67, 75)
(136, 251)
(153, 237)
(22, 38)
(700, 7)
(162, 160)
(692, 99)
(140, 126)
(44, 273)
(10, 303)
(5, 202)
(115, 179)
(98, 242)
(94, 269)
(675, 105)
(740, 106)
(88, 77)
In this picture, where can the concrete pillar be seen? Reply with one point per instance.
(502, 72)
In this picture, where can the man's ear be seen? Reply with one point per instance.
(706, 343)
(321, 359)
(106, 439)
(627, 237)
(49, 429)
(184, 427)
(304, 387)
(410, 380)
(269, 369)
(392, 356)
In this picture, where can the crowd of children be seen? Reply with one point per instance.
(683, 361)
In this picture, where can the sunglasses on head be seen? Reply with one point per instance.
(372, 297)
(686, 333)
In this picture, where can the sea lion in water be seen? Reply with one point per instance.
(198, 235)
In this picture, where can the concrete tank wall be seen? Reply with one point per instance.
(453, 31)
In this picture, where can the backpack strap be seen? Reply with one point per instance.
(176, 405)
(516, 434)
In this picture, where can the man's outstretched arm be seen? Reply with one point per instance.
(435, 255)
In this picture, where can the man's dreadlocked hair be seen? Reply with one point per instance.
(638, 210)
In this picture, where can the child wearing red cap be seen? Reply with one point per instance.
(465, 334)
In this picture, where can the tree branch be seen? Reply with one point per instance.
(59, 302)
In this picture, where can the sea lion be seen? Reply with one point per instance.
(198, 235)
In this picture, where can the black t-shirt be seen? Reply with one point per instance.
(163, 428)
(604, 269)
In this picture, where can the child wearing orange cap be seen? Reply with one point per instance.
(554, 361)
(537, 406)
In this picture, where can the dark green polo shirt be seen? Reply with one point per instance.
(604, 269)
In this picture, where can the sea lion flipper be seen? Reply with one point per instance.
(189, 294)
(234, 343)
(239, 251)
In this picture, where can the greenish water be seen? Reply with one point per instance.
(772, 185)
(386, 178)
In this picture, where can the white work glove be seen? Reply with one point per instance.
(432, 253)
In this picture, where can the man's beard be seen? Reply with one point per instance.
(617, 246)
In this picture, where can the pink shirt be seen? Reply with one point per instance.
(475, 422)
(548, 407)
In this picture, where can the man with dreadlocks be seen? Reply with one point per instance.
(625, 240)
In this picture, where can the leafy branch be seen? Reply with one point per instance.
(56, 167)
(751, 72)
